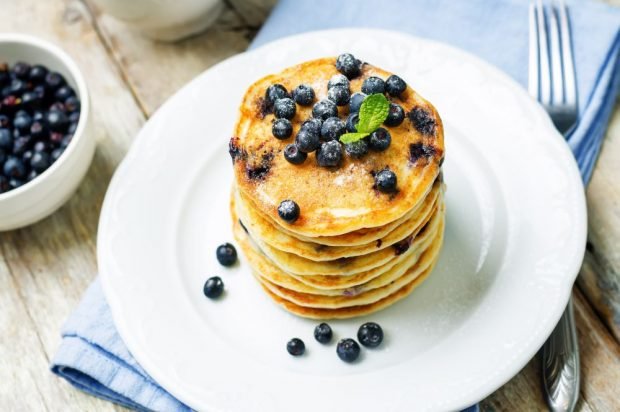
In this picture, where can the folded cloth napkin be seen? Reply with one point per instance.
(93, 357)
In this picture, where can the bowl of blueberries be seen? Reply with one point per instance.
(45, 143)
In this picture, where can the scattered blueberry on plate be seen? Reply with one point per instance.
(348, 350)
(213, 287)
(226, 254)
(370, 334)
(323, 333)
(296, 347)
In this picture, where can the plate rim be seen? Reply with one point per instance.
(510, 370)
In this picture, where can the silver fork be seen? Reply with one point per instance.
(552, 83)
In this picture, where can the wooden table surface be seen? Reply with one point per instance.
(45, 268)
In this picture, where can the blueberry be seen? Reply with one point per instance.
(4, 184)
(303, 95)
(4, 120)
(348, 65)
(63, 93)
(21, 144)
(370, 335)
(288, 211)
(338, 80)
(307, 141)
(17, 87)
(357, 149)
(395, 116)
(31, 100)
(21, 70)
(40, 161)
(27, 157)
(275, 92)
(2, 156)
(281, 129)
(385, 181)
(37, 73)
(22, 122)
(356, 102)
(56, 137)
(56, 154)
(332, 129)
(38, 130)
(74, 117)
(66, 141)
(213, 287)
(352, 122)
(296, 347)
(58, 106)
(380, 140)
(329, 154)
(72, 104)
(395, 86)
(15, 183)
(312, 125)
(324, 109)
(14, 168)
(226, 254)
(348, 350)
(323, 333)
(294, 155)
(57, 121)
(284, 108)
(373, 85)
(32, 175)
(339, 95)
(54, 80)
(6, 141)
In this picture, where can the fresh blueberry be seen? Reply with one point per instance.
(31, 100)
(294, 155)
(303, 95)
(22, 122)
(213, 287)
(357, 149)
(72, 104)
(385, 181)
(56, 137)
(339, 95)
(380, 140)
(56, 153)
(373, 85)
(6, 141)
(17, 87)
(14, 168)
(352, 122)
(4, 184)
(338, 80)
(21, 70)
(275, 92)
(332, 129)
(395, 116)
(63, 93)
(285, 108)
(21, 144)
(15, 183)
(281, 129)
(329, 154)
(296, 347)
(27, 157)
(32, 175)
(58, 106)
(323, 333)
(348, 350)
(307, 141)
(54, 80)
(348, 65)
(288, 211)
(38, 130)
(37, 73)
(74, 117)
(313, 125)
(356, 102)
(66, 141)
(40, 91)
(324, 109)
(57, 120)
(370, 335)
(395, 86)
(4, 120)
(226, 254)
(40, 161)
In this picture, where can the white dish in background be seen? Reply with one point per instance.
(515, 237)
(43, 195)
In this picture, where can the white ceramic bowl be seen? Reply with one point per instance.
(46, 193)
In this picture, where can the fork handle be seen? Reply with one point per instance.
(560, 364)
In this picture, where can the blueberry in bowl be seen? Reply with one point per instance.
(44, 129)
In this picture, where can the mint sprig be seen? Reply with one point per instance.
(373, 112)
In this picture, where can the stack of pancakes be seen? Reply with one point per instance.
(353, 250)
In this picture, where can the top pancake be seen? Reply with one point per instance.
(339, 200)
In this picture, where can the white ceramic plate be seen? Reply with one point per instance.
(515, 237)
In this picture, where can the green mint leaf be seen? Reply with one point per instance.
(373, 112)
(352, 137)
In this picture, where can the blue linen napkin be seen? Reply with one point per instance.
(92, 355)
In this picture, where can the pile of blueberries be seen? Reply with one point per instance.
(369, 334)
(39, 113)
(322, 131)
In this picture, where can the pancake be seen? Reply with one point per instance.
(426, 247)
(265, 230)
(334, 202)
